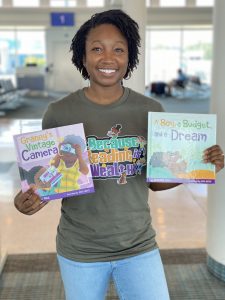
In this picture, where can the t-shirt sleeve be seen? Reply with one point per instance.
(155, 106)
(161, 108)
(49, 120)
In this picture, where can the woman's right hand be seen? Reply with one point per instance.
(28, 202)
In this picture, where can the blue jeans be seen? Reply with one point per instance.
(139, 277)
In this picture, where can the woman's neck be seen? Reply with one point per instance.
(104, 96)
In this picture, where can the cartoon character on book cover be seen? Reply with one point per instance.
(70, 163)
(54, 162)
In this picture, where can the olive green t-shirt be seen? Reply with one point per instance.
(113, 222)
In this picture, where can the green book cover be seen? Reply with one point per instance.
(176, 142)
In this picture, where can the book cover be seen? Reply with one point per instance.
(54, 162)
(176, 142)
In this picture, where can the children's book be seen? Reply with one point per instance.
(54, 162)
(176, 142)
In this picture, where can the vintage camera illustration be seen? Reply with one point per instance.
(67, 148)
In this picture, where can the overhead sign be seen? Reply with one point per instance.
(62, 19)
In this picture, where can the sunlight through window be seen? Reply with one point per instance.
(168, 50)
(172, 3)
(204, 2)
(96, 3)
(63, 3)
(26, 3)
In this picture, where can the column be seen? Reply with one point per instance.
(81, 3)
(7, 3)
(154, 3)
(137, 10)
(216, 198)
(190, 3)
(44, 3)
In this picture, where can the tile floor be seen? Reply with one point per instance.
(179, 214)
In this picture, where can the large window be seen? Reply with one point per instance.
(204, 2)
(7, 52)
(197, 53)
(168, 50)
(24, 3)
(172, 3)
(30, 48)
(162, 54)
(63, 3)
(96, 3)
(20, 48)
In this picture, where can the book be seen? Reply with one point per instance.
(54, 162)
(176, 142)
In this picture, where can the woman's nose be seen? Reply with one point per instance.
(108, 55)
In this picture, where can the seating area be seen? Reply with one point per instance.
(191, 88)
(10, 97)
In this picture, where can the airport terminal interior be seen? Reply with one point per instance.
(36, 69)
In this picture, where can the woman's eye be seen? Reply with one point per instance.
(119, 50)
(96, 49)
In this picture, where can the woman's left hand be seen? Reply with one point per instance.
(215, 156)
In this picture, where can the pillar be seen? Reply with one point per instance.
(155, 3)
(190, 3)
(216, 197)
(7, 3)
(81, 3)
(137, 11)
(44, 3)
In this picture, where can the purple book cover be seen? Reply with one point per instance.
(54, 162)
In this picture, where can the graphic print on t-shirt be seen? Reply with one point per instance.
(115, 156)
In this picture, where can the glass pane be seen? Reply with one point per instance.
(0, 2)
(197, 53)
(28, 3)
(162, 55)
(57, 3)
(204, 2)
(172, 2)
(7, 53)
(31, 48)
(71, 3)
(95, 3)
(63, 3)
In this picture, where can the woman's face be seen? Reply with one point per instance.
(106, 58)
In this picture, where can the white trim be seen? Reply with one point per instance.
(3, 258)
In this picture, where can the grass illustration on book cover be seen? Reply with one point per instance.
(54, 162)
(176, 142)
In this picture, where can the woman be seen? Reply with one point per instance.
(109, 233)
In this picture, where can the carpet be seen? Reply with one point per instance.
(185, 105)
(36, 277)
(32, 106)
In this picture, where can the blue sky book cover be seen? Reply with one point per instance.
(176, 142)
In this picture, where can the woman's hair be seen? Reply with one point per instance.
(126, 25)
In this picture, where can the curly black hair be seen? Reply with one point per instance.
(127, 26)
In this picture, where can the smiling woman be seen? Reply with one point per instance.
(108, 234)
(106, 58)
